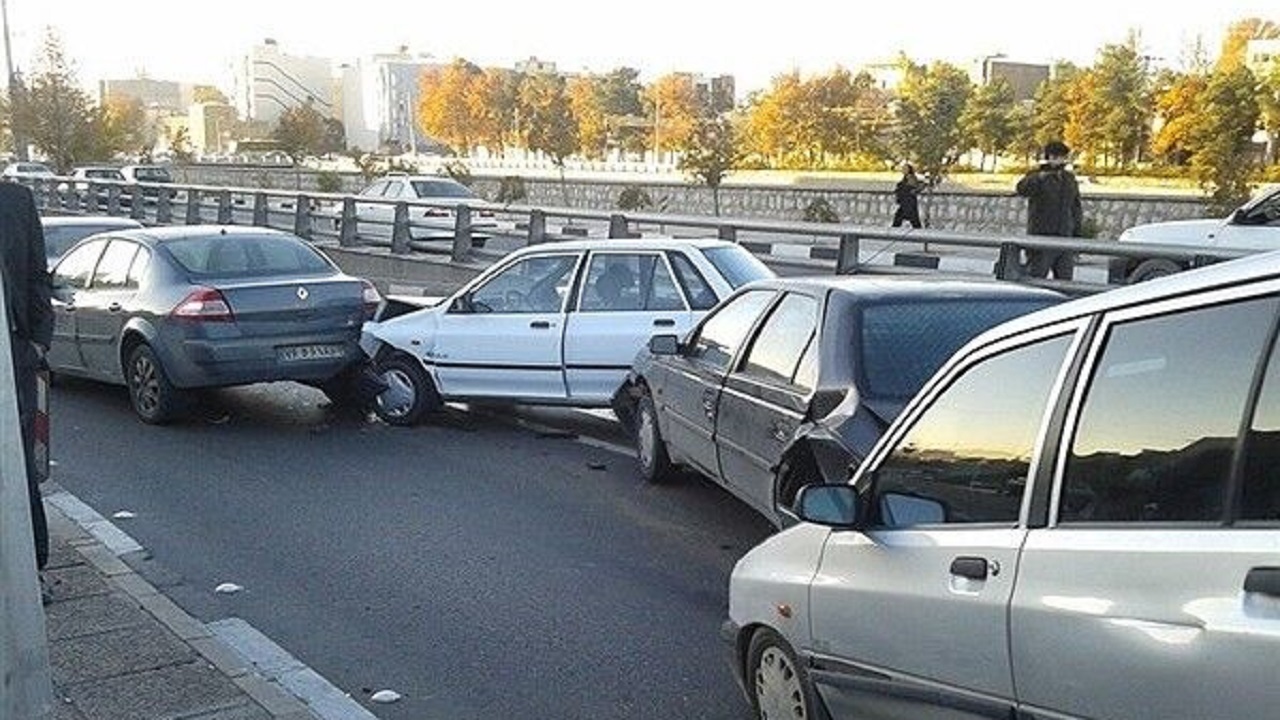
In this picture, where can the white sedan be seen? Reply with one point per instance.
(555, 324)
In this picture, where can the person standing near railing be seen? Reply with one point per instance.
(28, 295)
(1053, 208)
(907, 195)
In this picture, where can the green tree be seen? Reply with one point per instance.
(773, 122)
(1052, 105)
(180, 145)
(712, 153)
(302, 131)
(1269, 102)
(987, 121)
(586, 101)
(624, 109)
(549, 126)
(930, 103)
(123, 127)
(1222, 137)
(842, 114)
(208, 94)
(491, 99)
(56, 115)
(1123, 101)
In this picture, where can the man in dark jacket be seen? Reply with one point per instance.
(1053, 208)
(27, 296)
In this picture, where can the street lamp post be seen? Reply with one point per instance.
(19, 143)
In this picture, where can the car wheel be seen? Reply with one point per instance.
(154, 398)
(1152, 269)
(410, 392)
(651, 448)
(776, 681)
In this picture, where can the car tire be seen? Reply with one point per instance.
(155, 400)
(777, 683)
(651, 448)
(410, 392)
(1152, 269)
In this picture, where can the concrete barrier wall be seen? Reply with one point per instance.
(999, 213)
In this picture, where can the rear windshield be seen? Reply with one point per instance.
(737, 266)
(440, 188)
(904, 344)
(152, 174)
(247, 256)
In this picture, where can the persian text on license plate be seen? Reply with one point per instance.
(302, 353)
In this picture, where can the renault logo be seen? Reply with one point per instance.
(302, 293)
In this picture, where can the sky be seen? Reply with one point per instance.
(200, 41)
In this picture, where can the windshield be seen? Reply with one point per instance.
(441, 189)
(152, 174)
(737, 266)
(247, 256)
(904, 344)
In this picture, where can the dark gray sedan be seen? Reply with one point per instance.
(790, 381)
(168, 310)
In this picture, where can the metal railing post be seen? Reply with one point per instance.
(113, 199)
(618, 226)
(400, 230)
(728, 232)
(847, 256)
(302, 216)
(193, 208)
(1009, 266)
(537, 227)
(347, 224)
(261, 218)
(164, 207)
(225, 216)
(461, 233)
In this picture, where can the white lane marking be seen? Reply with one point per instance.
(276, 664)
(115, 539)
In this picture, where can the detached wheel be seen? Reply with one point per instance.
(779, 687)
(410, 392)
(154, 398)
(651, 448)
(1152, 269)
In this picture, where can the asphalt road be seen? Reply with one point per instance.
(477, 566)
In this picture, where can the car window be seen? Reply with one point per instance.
(903, 344)
(1158, 425)
(113, 269)
(531, 285)
(737, 266)
(1266, 212)
(966, 458)
(59, 239)
(725, 329)
(778, 347)
(247, 256)
(393, 189)
(153, 174)
(806, 377)
(620, 282)
(77, 267)
(375, 189)
(138, 269)
(700, 294)
(441, 189)
(1260, 483)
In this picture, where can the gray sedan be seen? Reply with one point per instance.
(168, 310)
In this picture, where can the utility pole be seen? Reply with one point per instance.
(19, 142)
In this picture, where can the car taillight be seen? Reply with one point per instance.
(436, 212)
(371, 300)
(204, 305)
(486, 213)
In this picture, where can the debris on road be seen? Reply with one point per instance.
(386, 696)
(228, 589)
(124, 515)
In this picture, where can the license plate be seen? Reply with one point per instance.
(302, 353)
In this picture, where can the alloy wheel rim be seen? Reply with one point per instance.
(146, 384)
(397, 400)
(778, 692)
(646, 442)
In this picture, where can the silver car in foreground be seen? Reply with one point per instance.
(168, 310)
(1077, 517)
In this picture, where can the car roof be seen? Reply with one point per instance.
(657, 243)
(1250, 269)
(94, 220)
(416, 178)
(875, 288)
(162, 235)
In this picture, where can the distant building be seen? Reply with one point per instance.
(717, 93)
(270, 81)
(1262, 56)
(1025, 78)
(887, 76)
(534, 66)
(212, 127)
(380, 97)
(157, 95)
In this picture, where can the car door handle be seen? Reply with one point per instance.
(540, 325)
(974, 568)
(114, 307)
(709, 403)
(664, 322)
(1263, 581)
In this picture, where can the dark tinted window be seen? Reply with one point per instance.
(76, 268)
(113, 268)
(152, 174)
(966, 459)
(782, 340)
(1261, 482)
(904, 344)
(726, 328)
(247, 256)
(700, 294)
(1159, 423)
(737, 266)
(441, 189)
(618, 282)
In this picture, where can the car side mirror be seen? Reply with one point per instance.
(835, 506)
(664, 345)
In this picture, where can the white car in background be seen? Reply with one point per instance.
(23, 169)
(552, 324)
(434, 222)
(1254, 226)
